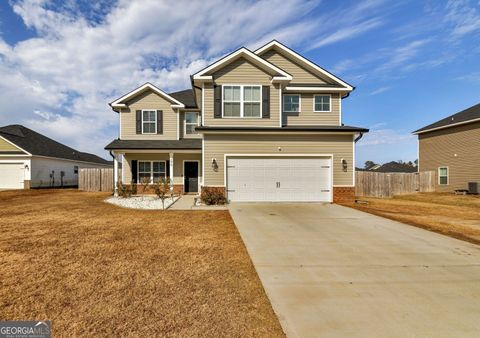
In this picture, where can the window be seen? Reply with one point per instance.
(251, 101)
(242, 101)
(321, 103)
(149, 121)
(231, 101)
(151, 170)
(191, 121)
(75, 169)
(443, 175)
(291, 103)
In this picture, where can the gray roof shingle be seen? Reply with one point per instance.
(38, 144)
(187, 97)
(155, 144)
(468, 114)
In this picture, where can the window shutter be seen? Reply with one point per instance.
(134, 171)
(265, 102)
(167, 169)
(159, 122)
(139, 121)
(217, 105)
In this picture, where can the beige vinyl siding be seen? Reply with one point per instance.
(177, 163)
(216, 146)
(299, 73)
(6, 146)
(307, 116)
(242, 72)
(438, 149)
(148, 100)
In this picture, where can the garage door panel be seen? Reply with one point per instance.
(11, 175)
(279, 179)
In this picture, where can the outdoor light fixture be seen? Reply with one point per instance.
(214, 164)
(344, 164)
(26, 166)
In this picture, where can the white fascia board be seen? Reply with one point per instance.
(233, 56)
(447, 126)
(316, 89)
(309, 63)
(118, 103)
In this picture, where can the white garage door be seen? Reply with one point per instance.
(301, 179)
(11, 175)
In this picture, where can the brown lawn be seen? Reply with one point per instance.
(456, 216)
(96, 269)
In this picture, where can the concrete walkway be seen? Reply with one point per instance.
(186, 202)
(332, 271)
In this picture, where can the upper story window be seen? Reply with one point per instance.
(191, 121)
(291, 103)
(149, 121)
(242, 101)
(443, 175)
(321, 103)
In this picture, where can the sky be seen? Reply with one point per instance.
(411, 62)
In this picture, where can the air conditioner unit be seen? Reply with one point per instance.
(474, 187)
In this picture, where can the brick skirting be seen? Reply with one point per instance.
(150, 190)
(343, 194)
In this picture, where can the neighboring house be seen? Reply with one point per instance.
(256, 126)
(31, 160)
(391, 167)
(451, 148)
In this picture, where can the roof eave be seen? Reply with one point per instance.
(420, 131)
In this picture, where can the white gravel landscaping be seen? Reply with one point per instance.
(141, 202)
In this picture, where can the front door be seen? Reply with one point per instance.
(190, 176)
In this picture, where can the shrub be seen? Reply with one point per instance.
(133, 188)
(123, 190)
(162, 189)
(212, 196)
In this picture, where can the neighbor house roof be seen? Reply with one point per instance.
(155, 144)
(468, 115)
(395, 167)
(187, 97)
(40, 145)
(286, 129)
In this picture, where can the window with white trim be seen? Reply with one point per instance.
(443, 175)
(242, 101)
(149, 121)
(191, 121)
(322, 103)
(291, 103)
(153, 171)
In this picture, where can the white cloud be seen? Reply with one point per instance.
(385, 136)
(61, 81)
(380, 90)
(464, 16)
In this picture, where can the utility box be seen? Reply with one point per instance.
(474, 187)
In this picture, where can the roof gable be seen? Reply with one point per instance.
(120, 102)
(468, 115)
(7, 147)
(278, 74)
(302, 61)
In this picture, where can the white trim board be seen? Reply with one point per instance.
(118, 103)
(447, 126)
(247, 54)
(13, 144)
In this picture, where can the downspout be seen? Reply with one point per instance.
(113, 176)
(358, 138)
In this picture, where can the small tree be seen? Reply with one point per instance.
(369, 164)
(162, 189)
(133, 186)
(145, 182)
(123, 190)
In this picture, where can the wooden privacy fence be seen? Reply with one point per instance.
(95, 179)
(372, 184)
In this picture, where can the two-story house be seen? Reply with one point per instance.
(258, 126)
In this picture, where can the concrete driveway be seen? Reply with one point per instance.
(332, 271)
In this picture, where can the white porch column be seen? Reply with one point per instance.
(171, 171)
(115, 174)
